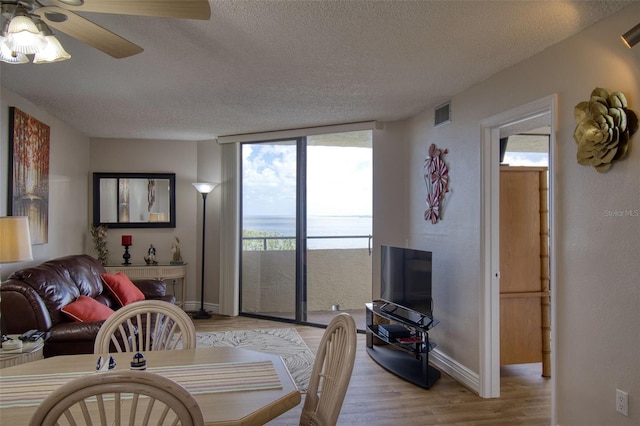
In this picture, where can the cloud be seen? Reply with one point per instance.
(339, 180)
(530, 159)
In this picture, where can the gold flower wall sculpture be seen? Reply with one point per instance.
(604, 130)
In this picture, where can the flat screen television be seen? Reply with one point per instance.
(405, 278)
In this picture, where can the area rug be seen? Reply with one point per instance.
(285, 342)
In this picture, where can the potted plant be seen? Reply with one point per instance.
(99, 235)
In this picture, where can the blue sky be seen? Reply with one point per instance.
(339, 180)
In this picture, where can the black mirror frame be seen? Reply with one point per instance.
(172, 199)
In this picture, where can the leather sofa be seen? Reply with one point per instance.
(32, 298)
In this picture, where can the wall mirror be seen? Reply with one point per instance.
(134, 200)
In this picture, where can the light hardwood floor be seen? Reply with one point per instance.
(376, 397)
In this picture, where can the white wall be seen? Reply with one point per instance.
(154, 156)
(389, 193)
(68, 188)
(209, 169)
(73, 159)
(597, 292)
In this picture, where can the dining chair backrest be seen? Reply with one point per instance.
(119, 397)
(148, 325)
(331, 373)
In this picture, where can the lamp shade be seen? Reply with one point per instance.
(53, 51)
(15, 239)
(23, 36)
(9, 57)
(204, 187)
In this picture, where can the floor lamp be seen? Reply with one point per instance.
(15, 242)
(204, 188)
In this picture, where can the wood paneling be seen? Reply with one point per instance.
(520, 329)
(524, 267)
(519, 230)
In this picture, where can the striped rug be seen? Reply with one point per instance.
(285, 342)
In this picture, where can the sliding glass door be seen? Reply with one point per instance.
(339, 226)
(306, 227)
(269, 238)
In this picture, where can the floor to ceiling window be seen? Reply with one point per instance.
(306, 221)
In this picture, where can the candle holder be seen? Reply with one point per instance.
(126, 256)
(127, 241)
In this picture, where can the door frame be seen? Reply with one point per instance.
(490, 239)
(300, 273)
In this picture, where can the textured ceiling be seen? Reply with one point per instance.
(272, 65)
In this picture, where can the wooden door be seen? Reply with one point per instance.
(524, 257)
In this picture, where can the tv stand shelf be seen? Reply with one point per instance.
(404, 353)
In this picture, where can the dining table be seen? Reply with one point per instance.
(243, 388)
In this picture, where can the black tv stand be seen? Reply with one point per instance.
(407, 356)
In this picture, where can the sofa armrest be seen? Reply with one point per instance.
(152, 289)
(22, 309)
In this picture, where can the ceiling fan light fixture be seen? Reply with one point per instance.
(23, 36)
(9, 57)
(53, 52)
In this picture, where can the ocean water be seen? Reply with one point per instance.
(317, 226)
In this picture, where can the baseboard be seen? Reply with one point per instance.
(212, 308)
(456, 370)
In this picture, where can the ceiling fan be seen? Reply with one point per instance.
(61, 15)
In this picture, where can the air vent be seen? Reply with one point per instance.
(442, 114)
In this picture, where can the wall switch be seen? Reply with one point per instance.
(622, 402)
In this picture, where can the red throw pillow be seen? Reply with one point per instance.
(87, 309)
(122, 288)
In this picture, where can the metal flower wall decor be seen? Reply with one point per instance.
(436, 177)
(605, 126)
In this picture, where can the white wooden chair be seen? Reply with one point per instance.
(148, 325)
(331, 373)
(119, 397)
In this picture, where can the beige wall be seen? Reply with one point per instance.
(68, 188)
(179, 157)
(390, 194)
(597, 293)
(73, 159)
(209, 169)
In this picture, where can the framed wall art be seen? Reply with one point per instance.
(29, 172)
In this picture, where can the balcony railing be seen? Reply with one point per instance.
(289, 242)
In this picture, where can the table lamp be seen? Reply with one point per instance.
(15, 241)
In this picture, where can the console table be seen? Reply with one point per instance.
(159, 271)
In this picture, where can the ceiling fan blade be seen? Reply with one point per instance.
(188, 9)
(88, 32)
